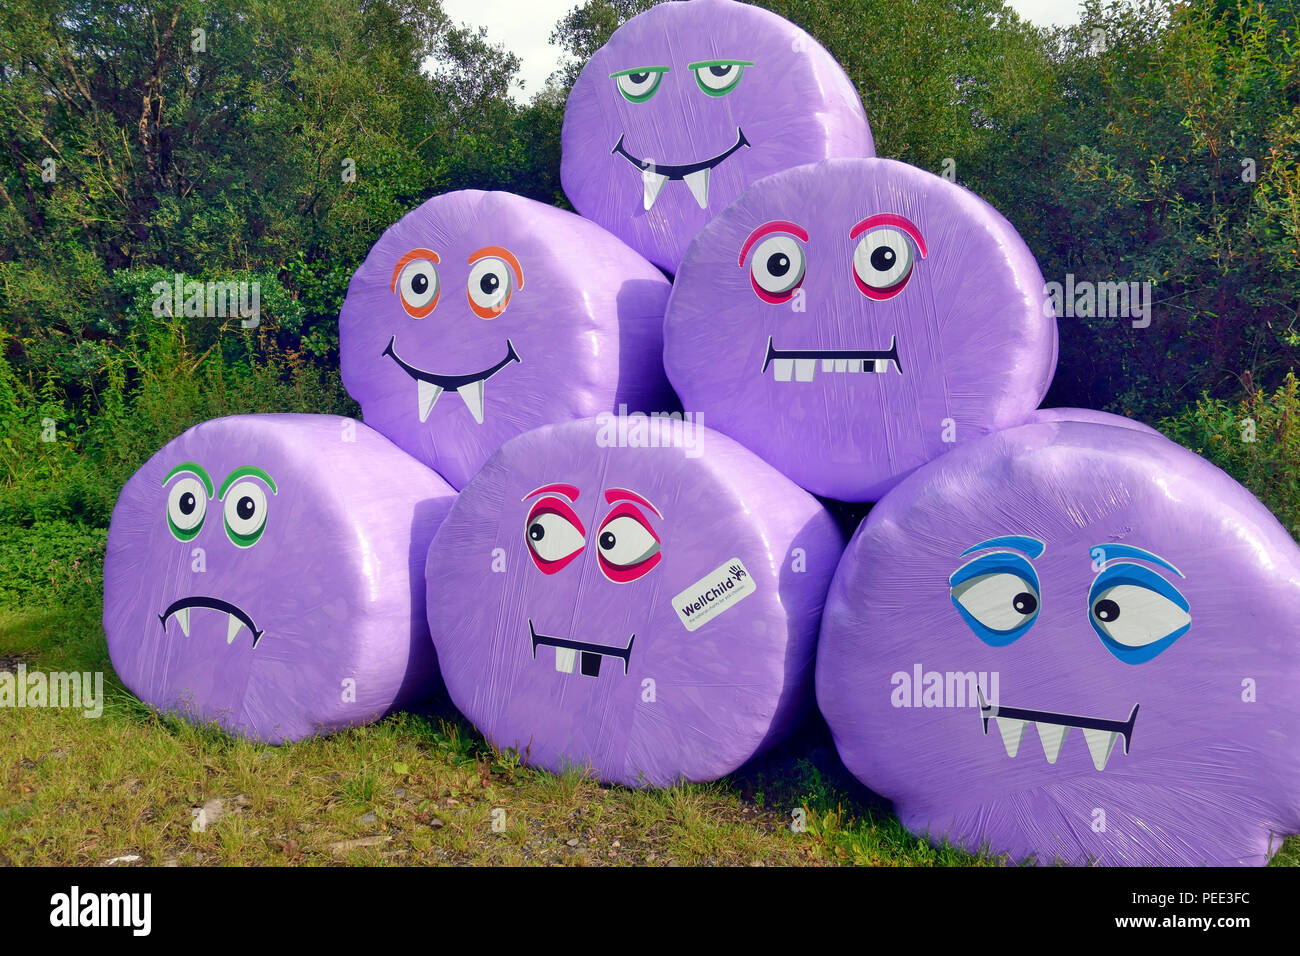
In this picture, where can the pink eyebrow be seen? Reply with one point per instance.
(622, 494)
(776, 225)
(890, 219)
(558, 488)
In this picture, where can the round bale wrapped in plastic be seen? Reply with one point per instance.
(267, 572)
(686, 105)
(1072, 642)
(852, 319)
(635, 598)
(1088, 415)
(481, 315)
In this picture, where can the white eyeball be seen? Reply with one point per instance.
(883, 259)
(625, 541)
(187, 503)
(1136, 616)
(245, 513)
(489, 287)
(418, 287)
(553, 537)
(1000, 601)
(778, 265)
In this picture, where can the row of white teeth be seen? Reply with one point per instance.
(1101, 743)
(233, 626)
(803, 370)
(472, 394)
(697, 182)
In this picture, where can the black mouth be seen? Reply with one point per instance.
(1095, 728)
(239, 618)
(452, 382)
(680, 170)
(591, 654)
(803, 361)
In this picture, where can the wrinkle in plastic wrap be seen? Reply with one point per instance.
(480, 315)
(267, 572)
(643, 610)
(1072, 641)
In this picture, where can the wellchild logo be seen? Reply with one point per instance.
(74, 908)
(712, 594)
(84, 691)
(1113, 300)
(922, 688)
(677, 430)
(192, 299)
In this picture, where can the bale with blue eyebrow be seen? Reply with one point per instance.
(266, 572)
(1072, 641)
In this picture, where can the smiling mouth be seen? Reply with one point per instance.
(238, 617)
(567, 650)
(695, 175)
(429, 385)
(1099, 734)
(801, 364)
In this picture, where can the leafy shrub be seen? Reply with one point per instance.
(47, 559)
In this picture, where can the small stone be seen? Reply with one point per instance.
(572, 842)
(367, 818)
(436, 823)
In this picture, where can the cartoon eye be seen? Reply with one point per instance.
(187, 503)
(417, 283)
(245, 513)
(555, 535)
(882, 262)
(719, 77)
(777, 268)
(628, 548)
(1003, 602)
(489, 287)
(1134, 618)
(639, 85)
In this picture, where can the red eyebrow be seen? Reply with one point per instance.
(776, 225)
(559, 488)
(890, 219)
(622, 494)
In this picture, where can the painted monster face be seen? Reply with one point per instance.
(637, 607)
(1072, 641)
(483, 314)
(686, 105)
(853, 319)
(260, 573)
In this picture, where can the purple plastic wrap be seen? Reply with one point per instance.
(686, 105)
(267, 572)
(524, 313)
(1072, 641)
(1087, 415)
(637, 598)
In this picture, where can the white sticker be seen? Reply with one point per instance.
(712, 594)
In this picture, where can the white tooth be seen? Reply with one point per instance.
(564, 658)
(828, 365)
(473, 395)
(652, 183)
(428, 395)
(840, 365)
(879, 366)
(805, 369)
(1100, 745)
(698, 183)
(1051, 736)
(855, 365)
(782, 369)
(233, 628)
(1013, 731)
(183, 618)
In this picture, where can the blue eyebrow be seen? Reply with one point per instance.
(1030, 546)
(1128, 551)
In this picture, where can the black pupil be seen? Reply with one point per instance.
(245, 507)
(778, 264)
(187, 503)
(638, 77)
(420, 284)
(1025, 603)
(883, 258)
(720, 70)
(537, 532)
(489, 283)
(607, 540)
(1106, 610)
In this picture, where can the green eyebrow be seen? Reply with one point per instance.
(245, 472)
(704, 63)
(193, 468)
(640, 69)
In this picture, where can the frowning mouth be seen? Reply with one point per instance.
(429, 385)
(1099, 734)
(567, 650)
(238, 617)
(801, 364)
(695, 175)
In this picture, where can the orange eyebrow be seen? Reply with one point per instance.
(501, 253)
(401, 263)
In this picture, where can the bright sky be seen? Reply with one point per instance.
(525, 25)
